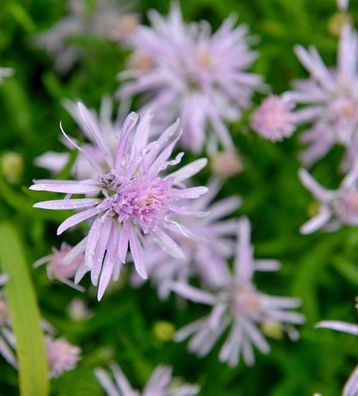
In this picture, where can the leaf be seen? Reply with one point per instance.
(25, 315)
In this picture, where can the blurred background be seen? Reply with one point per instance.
(131, 326)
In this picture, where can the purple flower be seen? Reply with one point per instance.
(207, 244)
(329, 97)
(351, 386)
(129, 202)
(159, 384)
(61, 355)
(237, 305)
(56, 269)
(104, 19)
(187, 71)
(274, 119)
(336, 207)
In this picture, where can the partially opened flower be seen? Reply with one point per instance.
(336, 207)
(239, 306)
(128, 201)
(351, 386)
(159, 384)
(208, 242)
(104, 18)
(56, 269)
(186, 71)
(274, 119)
(61, 355)
(329, 98)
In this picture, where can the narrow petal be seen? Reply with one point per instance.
(66, 204)
(137, 252)
(76, 219)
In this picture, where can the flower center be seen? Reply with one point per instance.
(140, 200)
(247, 302)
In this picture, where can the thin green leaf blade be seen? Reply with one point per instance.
(25, 315)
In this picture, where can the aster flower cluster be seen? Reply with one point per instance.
(135, 203)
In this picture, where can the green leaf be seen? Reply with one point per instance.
(25, 315)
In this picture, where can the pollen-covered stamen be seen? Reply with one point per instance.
(144, 203)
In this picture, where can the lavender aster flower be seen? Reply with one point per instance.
(336, 207)
(56, 269)
(159, 384)
(351, 386)
(274, 119)
(129, 202)
(105, 18)
(207, 244)
(329, 97)
(191, 73)
(237, 305)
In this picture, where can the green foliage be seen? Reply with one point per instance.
(320, 268)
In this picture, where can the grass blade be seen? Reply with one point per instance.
(25, 315)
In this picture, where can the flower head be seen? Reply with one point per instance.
(191, 73)
(159, 384)
(226, 163)
(207, 243)
(61, 355)
(274, 119)
(329, 98)
(238, 305)
(129, 199)
(56, 269)
(336, 207)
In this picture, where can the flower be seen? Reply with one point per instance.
(351, 386)
(238, 305)
(61, 355)
(110, 129)
(191, 73)
(336, 207)
(130, 202)
(159, 384)
(329, 98)
(207, 243)
(56, 269)
(274, 119)
(105, 18)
